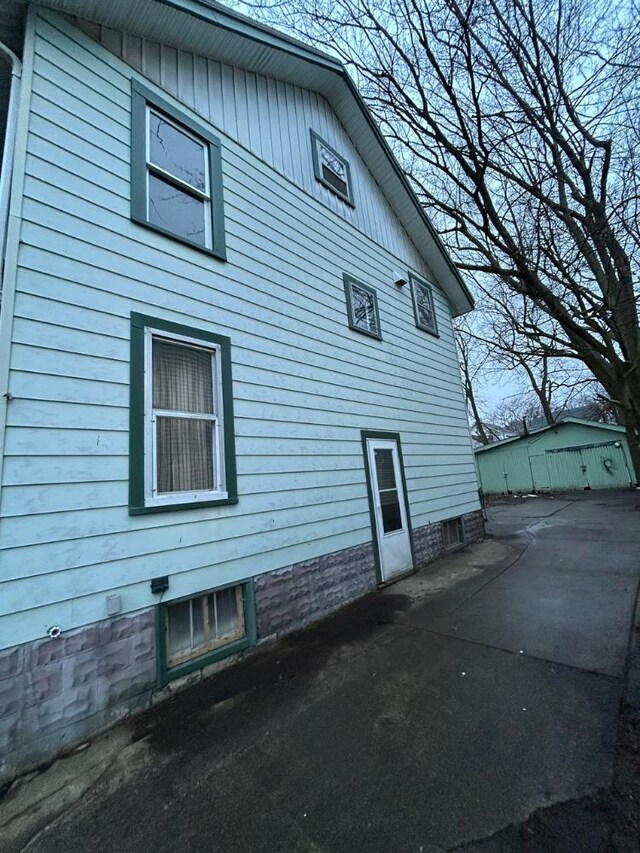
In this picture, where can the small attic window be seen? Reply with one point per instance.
(331, 169)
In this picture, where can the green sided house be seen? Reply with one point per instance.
(571, 454)
(231, 398)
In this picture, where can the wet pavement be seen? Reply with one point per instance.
(435, 714)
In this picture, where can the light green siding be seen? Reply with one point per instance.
(305, 385)
(568, 456)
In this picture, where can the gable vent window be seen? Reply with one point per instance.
(362, 307)
(176, 174)
(331, 169)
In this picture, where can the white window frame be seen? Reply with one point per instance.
(152, 498)
(187, 188)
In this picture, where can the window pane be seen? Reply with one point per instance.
(178, 628)
(330, 161)
(385, 473)
(182, 378)
(177, 211)
(227, 622)
(424, 307)
(184, 450)
(197, 614)
(452, 532)
(336, 182)
(176, 152)
(363, 306)
(391, 515)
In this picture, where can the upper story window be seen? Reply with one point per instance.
(423, 306)
(331, 169)
(362, 307)
(181, 417)
(176, 174)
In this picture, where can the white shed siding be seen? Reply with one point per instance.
(304, 384)
(270, 118)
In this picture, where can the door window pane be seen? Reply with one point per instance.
(184, 452)
(390, 507)
(176, 211)
(385, 472)
(176, 152)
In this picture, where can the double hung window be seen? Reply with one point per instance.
(181, 417)
(176, 174)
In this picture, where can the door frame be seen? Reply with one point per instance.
(388, 436)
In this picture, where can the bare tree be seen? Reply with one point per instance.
(471, 367)
(516, 120)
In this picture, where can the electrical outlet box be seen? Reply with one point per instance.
(159, 585)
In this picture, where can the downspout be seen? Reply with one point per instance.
(8, 152)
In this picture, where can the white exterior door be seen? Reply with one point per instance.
(392, 528)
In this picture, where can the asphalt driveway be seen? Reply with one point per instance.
(427, 717)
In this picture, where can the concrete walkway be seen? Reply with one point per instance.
(424, 718)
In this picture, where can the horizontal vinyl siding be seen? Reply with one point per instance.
(270, 118)
(304, 384)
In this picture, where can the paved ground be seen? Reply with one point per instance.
(435, 716)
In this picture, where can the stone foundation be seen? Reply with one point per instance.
(55, 693)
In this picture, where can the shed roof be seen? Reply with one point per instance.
(496, 444)
(210, 29)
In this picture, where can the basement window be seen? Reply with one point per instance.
(452, 532)
(200, 630)
(331, 169)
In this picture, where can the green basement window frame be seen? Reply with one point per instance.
(182, 445)
(331, 169)
(362, 307)
(198, 630)
(176, 173)
(423, 306)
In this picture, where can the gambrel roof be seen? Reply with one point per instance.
(209, 29)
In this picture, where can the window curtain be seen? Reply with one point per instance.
(183, 383)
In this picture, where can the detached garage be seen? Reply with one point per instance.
(572, 454)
